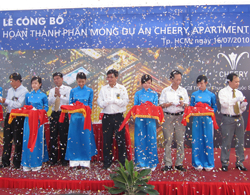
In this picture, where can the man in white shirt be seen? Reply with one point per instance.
(113, 98)
(232, 106)
(172, 100)
(14, 131)
(58, 96)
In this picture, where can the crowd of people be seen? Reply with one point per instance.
(77, 144)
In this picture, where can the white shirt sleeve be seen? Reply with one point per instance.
(16, 103)
(162, 97)
(101, 100)
(51, 98)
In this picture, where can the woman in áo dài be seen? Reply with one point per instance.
(202, 128)
(145, 142)
(33, 160)
(81, 143)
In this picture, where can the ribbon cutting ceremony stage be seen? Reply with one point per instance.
(173, 182)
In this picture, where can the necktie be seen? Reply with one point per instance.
(57, 103)
(236, 106)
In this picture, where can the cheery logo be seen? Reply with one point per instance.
(233, 59)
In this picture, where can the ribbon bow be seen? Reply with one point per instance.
(77, 107)
(145, 110)
(200, 109)
(36, 119)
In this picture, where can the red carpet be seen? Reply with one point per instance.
(171, 182)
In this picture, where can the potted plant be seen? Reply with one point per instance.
(131, 182)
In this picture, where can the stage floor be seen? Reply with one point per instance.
(58, 177)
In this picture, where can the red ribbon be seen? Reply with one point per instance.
(77, 107)
(248, 121)
(36, 119)
(1, 113)
(145, 110)
(200, 109)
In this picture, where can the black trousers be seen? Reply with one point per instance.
(13, 131)
(110, 126)
(56, 129)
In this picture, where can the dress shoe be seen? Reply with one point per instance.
(3, 165)
(83, 167)
(224, 168)
(17, 166)
(105, 167)
(51, 163)
(180, 168)
(123, 164)
(241, 167)
(65, 163)
(72, 168)
(167, 168)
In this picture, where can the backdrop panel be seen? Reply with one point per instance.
(209, 40)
